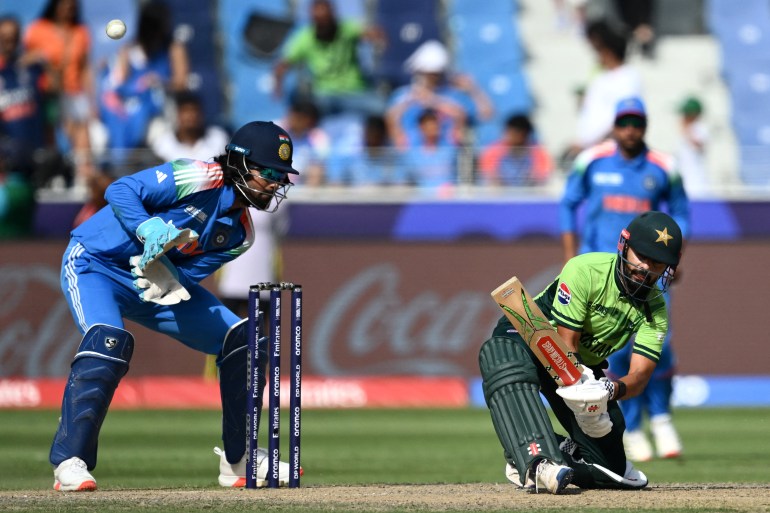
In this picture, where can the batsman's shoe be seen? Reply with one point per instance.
(512, 473)
(72, 476)
(667, 442)
(637, 446)
(233, 475)
(552, 476)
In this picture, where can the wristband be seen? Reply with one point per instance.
(621, 389)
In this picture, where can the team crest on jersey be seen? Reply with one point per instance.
(564, 294)
(649, 183)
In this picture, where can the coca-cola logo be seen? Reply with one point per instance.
(37, 335)
(367, 326)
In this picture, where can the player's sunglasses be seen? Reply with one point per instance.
(632, 121)
(270, 174)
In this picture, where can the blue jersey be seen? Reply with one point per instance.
(190, 193)
(616, 190)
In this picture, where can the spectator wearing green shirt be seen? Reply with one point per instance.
(328, 49)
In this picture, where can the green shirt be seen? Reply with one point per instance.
(586, 297)
(334, 65)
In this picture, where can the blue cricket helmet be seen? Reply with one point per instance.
(265, 144)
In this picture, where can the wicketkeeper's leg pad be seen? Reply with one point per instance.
(511, 389)
(99, 365)
(232, 362)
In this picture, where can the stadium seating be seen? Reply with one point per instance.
(487, 46)
(407, 24)
(193, 22)
(743, 31)
(25, 11)
(249, 75)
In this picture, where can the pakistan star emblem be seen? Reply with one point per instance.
(663, 236)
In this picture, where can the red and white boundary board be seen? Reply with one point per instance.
(195, 392)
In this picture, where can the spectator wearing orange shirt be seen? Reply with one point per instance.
(63, 42)
(516, 159)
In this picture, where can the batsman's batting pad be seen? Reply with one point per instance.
(232, 387)
(99, 365)
(511, 389)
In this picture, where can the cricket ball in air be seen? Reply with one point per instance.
(116, 29)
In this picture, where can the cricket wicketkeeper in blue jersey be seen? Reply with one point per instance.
(142, 257)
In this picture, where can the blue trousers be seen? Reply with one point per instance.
(101, 294)
(656, 397)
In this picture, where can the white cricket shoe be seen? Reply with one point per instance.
(637, 446)
(667, 442)
(72, 476)
(512, 473)
(233, 475)
(552, 476)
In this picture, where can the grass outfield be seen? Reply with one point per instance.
(172, 450)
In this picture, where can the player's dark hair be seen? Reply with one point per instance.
(49, 11)
(604, 36)
(187, 98)
(519, 122)
(154, 32)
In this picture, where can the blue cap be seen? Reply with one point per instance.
(633, 106)
(265, 144)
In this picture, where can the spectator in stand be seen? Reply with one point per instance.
(189, 136)
(21, 97)
(136, 82)
(374, 162)
(17, 196)
(614, 81)
(637, 16)
(691, 155)
(516, 159)
(328, 48)
(311, 143)
(63, 41)
(456, 99)
(432, 164)
(97, 186)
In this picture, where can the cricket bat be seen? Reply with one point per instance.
(542, 338)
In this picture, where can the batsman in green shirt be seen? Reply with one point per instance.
(597, 303)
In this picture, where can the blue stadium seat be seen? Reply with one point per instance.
(742, 28)
(193, 22)
(25, 11)
(481, 43)
(407, 24)
(345, 9)
(249, 76)
(509, 92)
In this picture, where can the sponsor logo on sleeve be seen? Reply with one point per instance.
(564, 294)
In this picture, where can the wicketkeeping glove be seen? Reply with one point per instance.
(158, 282)
(159, 237)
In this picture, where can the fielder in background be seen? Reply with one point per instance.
(142, 257)
(617, 180)
(597, 303)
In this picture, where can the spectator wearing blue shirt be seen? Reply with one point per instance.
(142, 257)
(373, 162)
(21, 97)
(432, 164)
(617, 180)
(456, 99)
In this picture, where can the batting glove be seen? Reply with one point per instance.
(595, 426)
(588, 398)
(158, 282)
(159, 237)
